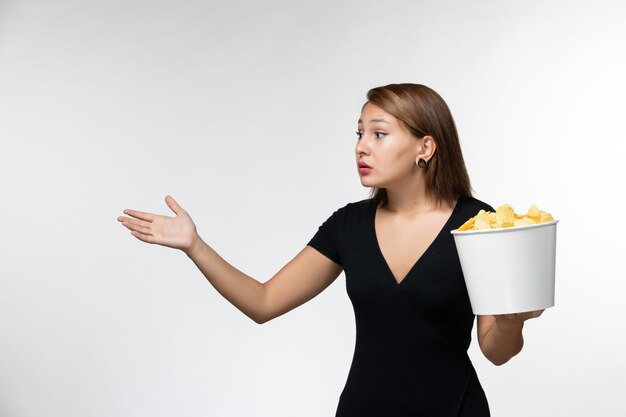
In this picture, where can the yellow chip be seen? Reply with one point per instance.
(533, 211)
(483, 215)
(545, 217)
(468, 225)
(524, 221)
(505, 216)
(481, 224)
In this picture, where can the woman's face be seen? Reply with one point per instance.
(386, 146)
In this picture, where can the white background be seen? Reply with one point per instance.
(245, 113)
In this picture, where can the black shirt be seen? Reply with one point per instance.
(410, 356)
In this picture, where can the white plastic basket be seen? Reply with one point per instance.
(509, 270)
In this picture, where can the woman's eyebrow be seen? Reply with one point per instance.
(375, 120)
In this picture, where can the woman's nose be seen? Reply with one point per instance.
(361, 147)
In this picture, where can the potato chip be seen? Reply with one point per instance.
(468, 225)
(533, 211)
(505, 216)
(524, 221)
(481, 224)
(545, 217)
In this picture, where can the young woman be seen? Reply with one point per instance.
(403, 276)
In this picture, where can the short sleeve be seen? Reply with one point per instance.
(325, 239)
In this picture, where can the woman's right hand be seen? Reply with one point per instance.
(175, 232)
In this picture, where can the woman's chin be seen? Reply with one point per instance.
(368, 184)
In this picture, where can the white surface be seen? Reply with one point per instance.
(245, 112)
(509, 270)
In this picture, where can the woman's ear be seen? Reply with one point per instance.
(427, 148)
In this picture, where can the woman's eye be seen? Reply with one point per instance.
(379, 135)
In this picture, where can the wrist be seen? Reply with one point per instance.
(194, 247)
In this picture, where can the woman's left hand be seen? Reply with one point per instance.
(507, 321)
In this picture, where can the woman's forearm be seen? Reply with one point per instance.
(243, 291)
(502, 342)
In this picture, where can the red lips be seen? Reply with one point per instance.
(363, 165)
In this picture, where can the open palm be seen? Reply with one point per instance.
(175, 232)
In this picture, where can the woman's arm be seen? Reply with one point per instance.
(500, 336)
(243, 291)
(305, 276)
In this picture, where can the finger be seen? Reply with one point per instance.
(133, 225)
(143, 237)
(133, 221)
(533, 313)
(507, 317)
(128, 221)
(140, 214)
(173, 205)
